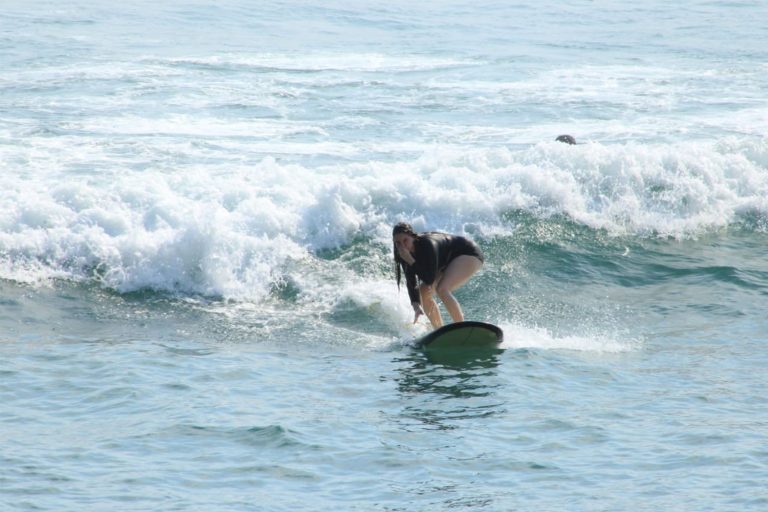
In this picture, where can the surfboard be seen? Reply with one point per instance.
(463, 335)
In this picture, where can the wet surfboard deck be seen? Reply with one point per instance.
(462, 335)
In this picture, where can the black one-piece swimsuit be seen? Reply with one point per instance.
(433, 252)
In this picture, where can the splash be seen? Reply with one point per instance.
(519, 337)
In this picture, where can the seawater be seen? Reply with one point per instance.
(197, 302)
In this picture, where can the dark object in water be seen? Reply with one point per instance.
(568, 139)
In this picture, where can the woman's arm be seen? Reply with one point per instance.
(410, 284)
(413, 292)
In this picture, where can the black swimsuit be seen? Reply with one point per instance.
(433, 252)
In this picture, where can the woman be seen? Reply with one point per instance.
(442, 263)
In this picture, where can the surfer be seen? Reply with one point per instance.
(568, 139)
(441, 262)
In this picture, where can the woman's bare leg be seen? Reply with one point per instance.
(455, 275)
(430, 307)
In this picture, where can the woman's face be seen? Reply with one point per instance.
(403, 243)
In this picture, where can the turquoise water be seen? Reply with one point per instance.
(197, 302)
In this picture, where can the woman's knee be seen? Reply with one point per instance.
(443, 291)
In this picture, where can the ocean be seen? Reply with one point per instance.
(198, 308)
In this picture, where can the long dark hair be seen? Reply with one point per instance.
(400, 227)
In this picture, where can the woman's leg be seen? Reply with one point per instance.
(455, 275)
(430, 307)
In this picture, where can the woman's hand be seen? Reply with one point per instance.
(406, 256)
(417, 311)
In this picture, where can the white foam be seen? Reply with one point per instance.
(324, 61)
(520, 337)
(229, 228)
(195, 125)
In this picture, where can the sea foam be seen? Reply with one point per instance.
(228, 229)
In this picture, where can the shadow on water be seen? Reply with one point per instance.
(443, 389)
